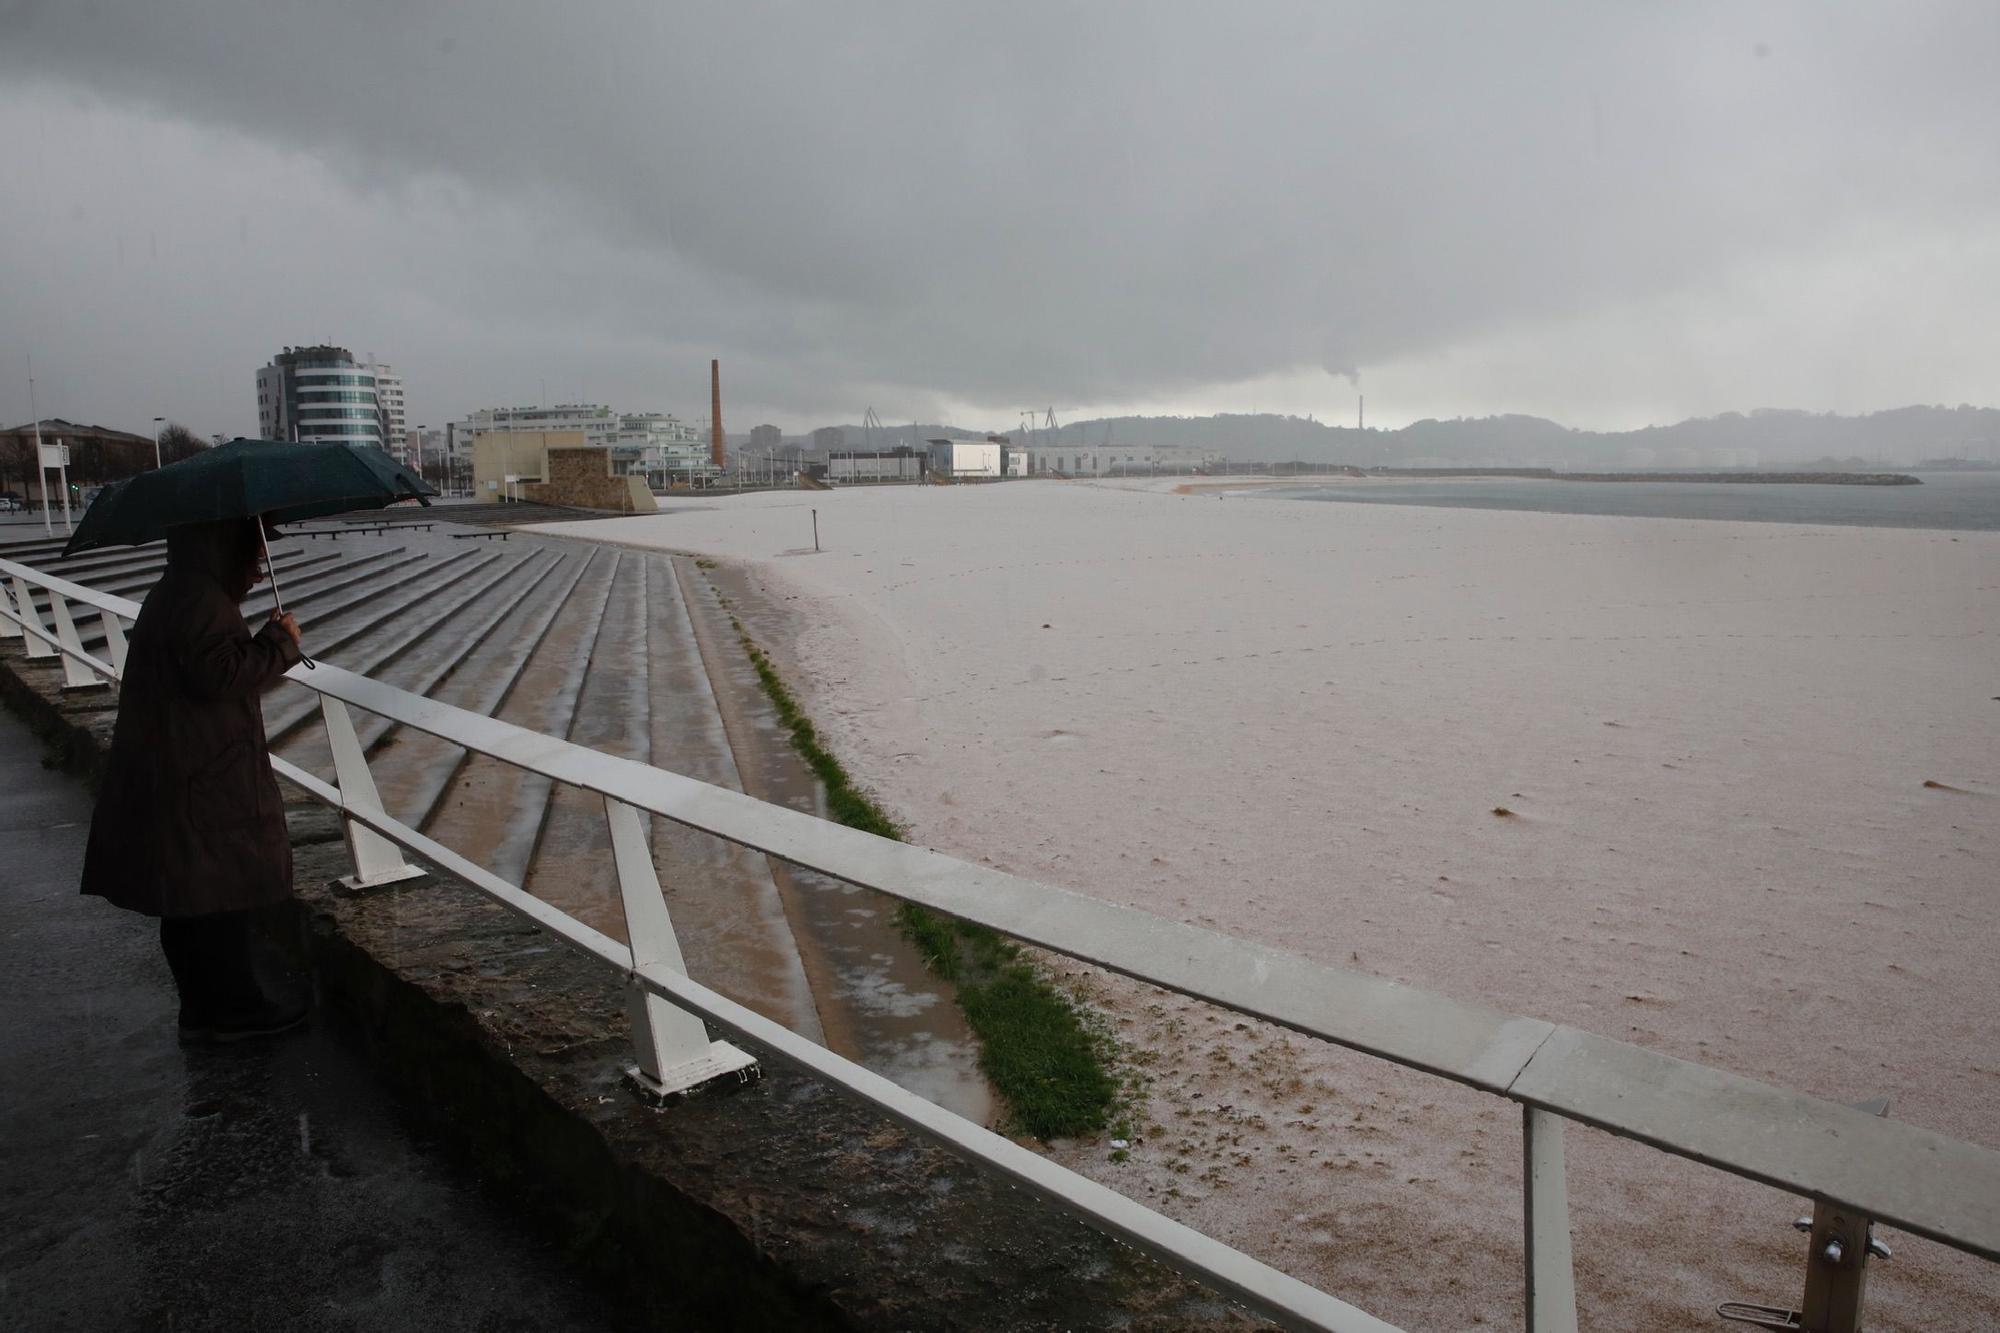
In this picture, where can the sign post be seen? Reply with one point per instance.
(55, 457)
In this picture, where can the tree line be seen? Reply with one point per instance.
(93, 462)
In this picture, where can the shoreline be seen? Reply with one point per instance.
(1732, 478)
(1350, 475)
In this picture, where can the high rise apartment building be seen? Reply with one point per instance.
(310, 394)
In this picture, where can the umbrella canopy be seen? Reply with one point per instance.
(268, 479)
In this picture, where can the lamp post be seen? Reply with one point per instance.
(420, 452)
(159, 426)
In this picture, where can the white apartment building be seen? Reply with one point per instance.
(657, 445)
(662, 447)
(598, 423)
(389, 403)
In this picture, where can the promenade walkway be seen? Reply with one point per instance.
(268, 1185)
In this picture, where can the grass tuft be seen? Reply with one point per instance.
(1045, 1061)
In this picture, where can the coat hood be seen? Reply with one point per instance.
(226, 552)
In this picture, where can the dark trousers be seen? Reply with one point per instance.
(210, 959)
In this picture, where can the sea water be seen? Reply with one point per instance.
(1959, 501)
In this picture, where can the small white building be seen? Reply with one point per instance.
(968, 459)
(902, 464)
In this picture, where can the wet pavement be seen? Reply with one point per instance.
(144, 1185)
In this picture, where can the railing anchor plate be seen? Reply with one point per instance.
(1763, 1316)
(721, 1065)
(354, 886)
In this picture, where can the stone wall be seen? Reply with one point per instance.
(582, 479)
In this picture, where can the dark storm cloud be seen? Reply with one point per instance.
(1085, 203)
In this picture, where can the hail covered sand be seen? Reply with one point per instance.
(1750, 776)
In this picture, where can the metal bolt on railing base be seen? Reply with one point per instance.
(1837, 1257)
(722, 1064)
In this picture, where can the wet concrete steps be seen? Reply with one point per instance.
(472, 636)
(416, 780)
(493, 811)
(374, 640)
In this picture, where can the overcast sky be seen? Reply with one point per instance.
(1610, 214)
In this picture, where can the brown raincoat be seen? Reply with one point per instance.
(189, 819)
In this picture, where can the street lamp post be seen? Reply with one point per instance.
(159, 427)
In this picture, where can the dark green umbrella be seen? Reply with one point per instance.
(265, 479)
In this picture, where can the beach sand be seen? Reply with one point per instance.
(1295, 723)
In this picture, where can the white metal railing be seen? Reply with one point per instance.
(1858, 1167)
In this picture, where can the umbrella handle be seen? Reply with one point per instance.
(277, 598)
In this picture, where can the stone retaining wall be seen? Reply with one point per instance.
(582, 478)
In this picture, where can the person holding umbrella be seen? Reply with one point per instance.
(190, 825)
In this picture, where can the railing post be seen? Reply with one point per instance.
(24, 602)
(76, 676)
(1551, 1275)
(8, 629)
(114, 640)
(672, 1046)
(377, 861)
(1837, 1269)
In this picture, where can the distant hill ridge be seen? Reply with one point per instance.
(1902, 435)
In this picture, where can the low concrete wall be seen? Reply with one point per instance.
(783, 1204)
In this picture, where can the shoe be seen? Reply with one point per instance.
(266, 1019)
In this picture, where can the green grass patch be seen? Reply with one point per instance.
(1045, 1061)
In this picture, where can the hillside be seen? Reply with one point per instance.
(1765, 437)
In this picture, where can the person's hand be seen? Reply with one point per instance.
(289, 623)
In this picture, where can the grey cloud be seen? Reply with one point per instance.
(1036, 201)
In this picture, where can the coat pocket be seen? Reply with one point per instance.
(227, 791)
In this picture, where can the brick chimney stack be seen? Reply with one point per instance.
(715, 414)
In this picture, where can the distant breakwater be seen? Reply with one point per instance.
(1550, 474)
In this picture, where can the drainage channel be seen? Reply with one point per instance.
(886, 1010)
